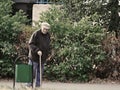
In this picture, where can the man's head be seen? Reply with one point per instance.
(45, 27)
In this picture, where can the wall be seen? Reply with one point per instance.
(37, 10)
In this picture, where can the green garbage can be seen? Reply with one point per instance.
(23, 73)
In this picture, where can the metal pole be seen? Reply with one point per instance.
(40, 71)
(14, 78)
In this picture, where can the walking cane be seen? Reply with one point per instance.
(40, 70)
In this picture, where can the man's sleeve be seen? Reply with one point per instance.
(32, 43)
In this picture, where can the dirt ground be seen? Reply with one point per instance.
(47, 85)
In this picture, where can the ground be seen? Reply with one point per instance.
(48, 85)
(104, 81)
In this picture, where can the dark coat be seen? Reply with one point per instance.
(39, 41)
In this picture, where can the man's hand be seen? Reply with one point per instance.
(48, 59)
(51, 56)
(39, 53)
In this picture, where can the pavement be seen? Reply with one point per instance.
(8, 85)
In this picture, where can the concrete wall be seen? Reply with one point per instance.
(37, 10)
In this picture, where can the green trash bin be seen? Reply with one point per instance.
(23, 73)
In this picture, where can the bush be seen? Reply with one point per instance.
(10, 29)
(77, 47)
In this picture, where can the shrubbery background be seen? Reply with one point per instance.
(11, 28)
(82, 50)
(77, 47)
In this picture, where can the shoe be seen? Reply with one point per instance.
(37, 86)
(29, 84)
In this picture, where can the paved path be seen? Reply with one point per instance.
(7, 85)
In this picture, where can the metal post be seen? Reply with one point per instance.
(40, 71)
(14, 77)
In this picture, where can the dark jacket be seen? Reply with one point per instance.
(39, 41)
